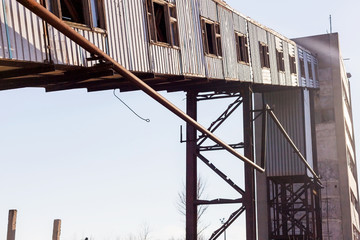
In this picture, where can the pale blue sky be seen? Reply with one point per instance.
(84, 158)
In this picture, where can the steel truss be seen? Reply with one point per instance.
(293, 207)
(194, 147)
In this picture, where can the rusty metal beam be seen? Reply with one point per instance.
(61, 26)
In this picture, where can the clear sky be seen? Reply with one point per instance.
(84, 158)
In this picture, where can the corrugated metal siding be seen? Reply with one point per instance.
(281, 159)
(193, 60)
(254, 52)
(208, 9)
(127, 34)
(166, 60)
(274, 73)
(239, 24)
(65, 51)
(228, 44)
(25, 32)
(214, 67)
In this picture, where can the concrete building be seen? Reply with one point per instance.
(335, 143)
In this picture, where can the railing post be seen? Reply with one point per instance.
(12, 224)
(56, 229)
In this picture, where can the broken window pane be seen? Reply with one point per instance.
(73, 11)
(160, 23)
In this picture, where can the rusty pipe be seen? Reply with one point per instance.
(57, 23)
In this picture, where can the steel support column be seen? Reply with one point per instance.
(191, 168)
(249, 196)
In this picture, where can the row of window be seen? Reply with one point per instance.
(163, 29)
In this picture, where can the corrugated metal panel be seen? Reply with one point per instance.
(193, 60)
(166, 60)
(127, 33)
(308, 133)
(208, 9)
(281, 159)
(287, 74)
(214, 67)
(274, 73)
(239, 24)
(228, 43)
(24, 31)
(65, 51)
(254, 52)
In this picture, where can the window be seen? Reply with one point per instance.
(242, 48)
(280, 60)
(292, 64)
(84, 12)
(211, 37)
(264, 55)
(162, 22)
(310, 70)
(302, 68)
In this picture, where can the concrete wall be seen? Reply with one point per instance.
(339, 216)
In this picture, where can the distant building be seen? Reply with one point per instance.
(335, 140)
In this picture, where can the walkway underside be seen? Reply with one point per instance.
(20, 74)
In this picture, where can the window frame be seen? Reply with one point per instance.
(292, 61)
(242, 48)
(55, 7)
(302, 68)
(215, 38)
(171, 23)
(280, 61)
(264, 55)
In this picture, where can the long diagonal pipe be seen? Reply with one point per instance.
(57, 23)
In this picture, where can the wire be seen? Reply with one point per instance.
(145, 119)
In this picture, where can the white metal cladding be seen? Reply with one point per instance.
(274, 73)
(254, 52)
(192, 53)
(281, 159)
(287, 75)
(22, 32)
(228, 43)
(166, 59)
(239, 24)
(127, 34)
(308, 131)
(208, 9)
(214, 67)
(65, 51)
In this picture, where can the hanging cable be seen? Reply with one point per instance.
(145, 119)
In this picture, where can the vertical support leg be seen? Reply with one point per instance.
(249, 172)
(56, 229)
(191, 169)
(12, 225)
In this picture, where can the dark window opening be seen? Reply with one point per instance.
(310, 70)
(242, 48)
(264, 55)
(72, 11)
(162, 23)
(302, 68)
(211, 38)
(85, 12)
(292, 64)
(280, 61)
